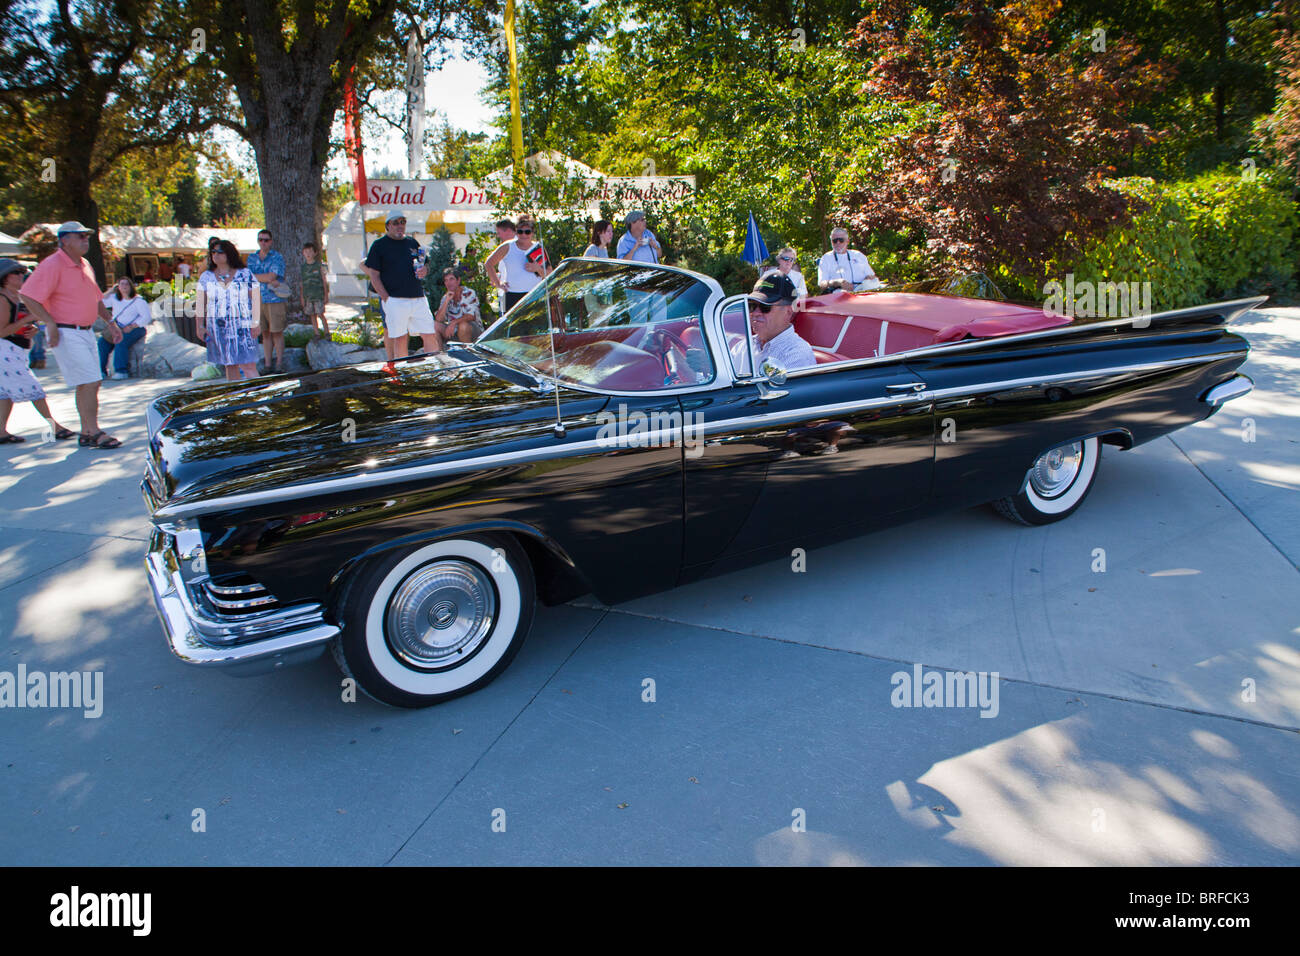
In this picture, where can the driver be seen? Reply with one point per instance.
(771, 315)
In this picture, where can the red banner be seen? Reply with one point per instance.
(352, 135)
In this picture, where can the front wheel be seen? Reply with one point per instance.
(426, 625)
(1056, 484)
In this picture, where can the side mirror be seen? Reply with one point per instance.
(774, 373)
(769, 386)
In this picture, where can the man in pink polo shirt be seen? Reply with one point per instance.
(62, 293)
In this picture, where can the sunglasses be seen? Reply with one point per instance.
(840, 239)
(526, 232)
(264, 240)
(763, 307)
(786, 258)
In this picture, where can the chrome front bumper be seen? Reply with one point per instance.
(241, 644)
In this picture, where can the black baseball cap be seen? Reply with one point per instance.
(774, 289)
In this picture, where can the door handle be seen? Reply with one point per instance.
(906, 387)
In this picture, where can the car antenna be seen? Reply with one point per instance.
(558, 428)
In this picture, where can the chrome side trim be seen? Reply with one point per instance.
(1235, 387)
(641, 439)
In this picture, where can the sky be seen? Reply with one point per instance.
(453, 92)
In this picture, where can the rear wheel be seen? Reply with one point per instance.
(1056, 484)
(426, 625)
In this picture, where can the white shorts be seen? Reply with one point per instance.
(78, 357)
(407, 317)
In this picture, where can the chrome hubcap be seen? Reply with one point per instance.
(1055, 472)
(441, 614)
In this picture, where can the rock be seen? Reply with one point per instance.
(325, 354)
(295, 360)
(167, 355)
(136, 357)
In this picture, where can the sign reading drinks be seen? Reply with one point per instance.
(467, 195)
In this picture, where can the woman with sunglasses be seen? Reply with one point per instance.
(845, 268)
(785, 260)
(227, 306)
(524, 262)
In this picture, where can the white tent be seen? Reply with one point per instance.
(462, 207)
(10, 246)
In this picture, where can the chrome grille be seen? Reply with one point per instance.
(243, 596)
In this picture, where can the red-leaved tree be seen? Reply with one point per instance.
(1014, 133)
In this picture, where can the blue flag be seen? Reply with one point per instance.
(755, 248)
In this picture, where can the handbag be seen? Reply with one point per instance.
(18, 334)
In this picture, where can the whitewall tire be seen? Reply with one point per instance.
(1056, 484)
(425, 625)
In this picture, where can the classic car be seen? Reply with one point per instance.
(611, 435)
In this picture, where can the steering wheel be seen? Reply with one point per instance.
(673, 363)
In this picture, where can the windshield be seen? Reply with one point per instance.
(621, 326)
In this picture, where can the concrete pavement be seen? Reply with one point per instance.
(1147, 714)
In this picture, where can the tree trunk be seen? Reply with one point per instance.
(289, 97)
(72, 175)
(290, 166)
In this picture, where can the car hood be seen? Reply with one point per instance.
(232, 438)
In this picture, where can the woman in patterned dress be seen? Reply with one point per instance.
(228, 303)
(17, 383)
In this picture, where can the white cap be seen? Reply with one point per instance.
(394, 214)
(72, 226)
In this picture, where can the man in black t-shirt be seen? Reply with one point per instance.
(395, 264)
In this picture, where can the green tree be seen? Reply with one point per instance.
(187, 199)
(86, 85)
(1011, 138)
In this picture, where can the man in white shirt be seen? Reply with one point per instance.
(845, 268)
(785, 260)
(770, 316)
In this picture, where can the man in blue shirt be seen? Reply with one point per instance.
(638, 243)
(267, 267)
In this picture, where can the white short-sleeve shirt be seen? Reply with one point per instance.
(128, 312)
(851, 265)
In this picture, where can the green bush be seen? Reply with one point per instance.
(1243, 230)
(297, 338)
(1214, 237)
(733, 273)
(1156, 247)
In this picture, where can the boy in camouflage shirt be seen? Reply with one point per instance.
(314, 291)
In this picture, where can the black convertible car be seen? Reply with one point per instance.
(611, 435)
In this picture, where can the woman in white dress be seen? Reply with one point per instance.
(17, 383)
(229, 301)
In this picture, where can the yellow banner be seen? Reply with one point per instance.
(516, 124)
